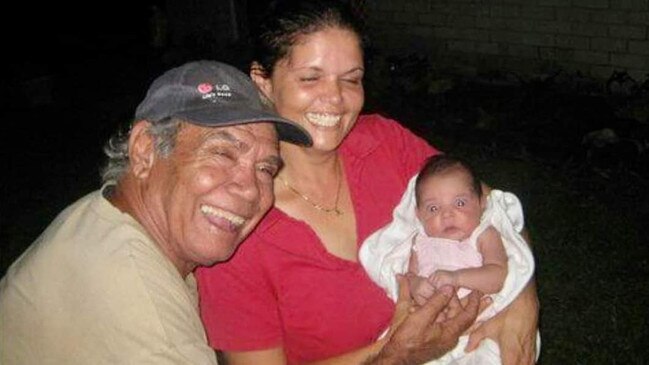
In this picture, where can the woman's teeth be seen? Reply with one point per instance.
(216, 212)
(324, 120)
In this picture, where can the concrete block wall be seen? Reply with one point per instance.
(213, 20)
(595, 37)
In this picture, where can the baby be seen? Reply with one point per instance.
(449, 204)
(445, 232)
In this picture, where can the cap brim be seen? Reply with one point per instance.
(287, 130)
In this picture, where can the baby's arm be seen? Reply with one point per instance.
(420, 288)
(488, 278)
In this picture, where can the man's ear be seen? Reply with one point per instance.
(262, 80)
(141, 150)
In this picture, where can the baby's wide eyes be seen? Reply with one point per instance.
(433, 208)
(460, 203)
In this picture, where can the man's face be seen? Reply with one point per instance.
(211, 191)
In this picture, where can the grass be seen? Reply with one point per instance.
(584, 215)
(591, 264)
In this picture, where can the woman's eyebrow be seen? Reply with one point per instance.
(360, 69)
(355, 69)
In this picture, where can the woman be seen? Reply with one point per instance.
(295, 292)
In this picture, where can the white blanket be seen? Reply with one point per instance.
(385, 253)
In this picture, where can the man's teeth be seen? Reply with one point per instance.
(234, 219)
(321, 119)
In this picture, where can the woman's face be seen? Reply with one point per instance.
(319, 85)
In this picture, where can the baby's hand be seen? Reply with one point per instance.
(420, 288)
(443, 277)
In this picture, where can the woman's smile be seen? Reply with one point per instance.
(319, 85)
(323, 119)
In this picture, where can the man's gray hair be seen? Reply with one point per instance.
(164, 134)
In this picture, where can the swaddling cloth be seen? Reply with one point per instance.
(436, 253)
(385, 253)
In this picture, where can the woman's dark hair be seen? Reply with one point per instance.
(438, 164)
(288, 19)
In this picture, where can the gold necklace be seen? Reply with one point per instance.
(314, 204)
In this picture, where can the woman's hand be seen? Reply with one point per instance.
(514, 329)
(417, 335)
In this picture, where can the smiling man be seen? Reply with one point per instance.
(110, 280)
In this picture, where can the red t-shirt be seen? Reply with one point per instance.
(282, 288)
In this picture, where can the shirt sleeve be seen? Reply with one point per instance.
(410, 149)
(189, 354)
(415, 151)
(238, 304)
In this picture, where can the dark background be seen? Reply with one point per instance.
(73, 74)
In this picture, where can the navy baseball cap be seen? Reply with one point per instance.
(213, 94)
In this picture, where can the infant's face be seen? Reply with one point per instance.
(448, 206)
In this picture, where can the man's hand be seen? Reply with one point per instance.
(514, 329)
(419, 336)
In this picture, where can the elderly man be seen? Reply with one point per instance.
(109, 281)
